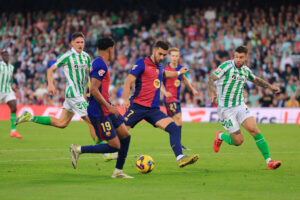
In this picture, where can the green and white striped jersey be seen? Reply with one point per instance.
(230, 85)
(6, 72)
(76, 67)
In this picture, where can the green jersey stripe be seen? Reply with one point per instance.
(237, 88)
(78, 80)
(71, 74)
(226, 79)
(80, 60)
(7, 82)
(240, 97)
(229, 90)
(2, 78)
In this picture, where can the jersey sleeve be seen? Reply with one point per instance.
(220, 71)
(138, 68)
(99, 70)
(61, 60)
(251, 76)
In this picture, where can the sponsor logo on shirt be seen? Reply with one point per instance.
(238, 78)
(156, 83)
(101, 72)
(177, 83)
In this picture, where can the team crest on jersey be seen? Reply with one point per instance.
(108, 134)
(133, 67)
(157, 71)
(101, 72)
(126, 118)
(156, 83)
(177, 83)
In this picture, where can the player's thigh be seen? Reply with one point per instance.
(250, 125)
(65, 117)
(104, 128)
(158, 119)
(178, 119)
(134, 115)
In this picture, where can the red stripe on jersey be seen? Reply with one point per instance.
(150, 84)
(172, 85)
(104, 91)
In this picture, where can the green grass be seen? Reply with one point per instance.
(38, 166)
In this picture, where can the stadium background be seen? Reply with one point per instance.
(38, 166)
(36, 32)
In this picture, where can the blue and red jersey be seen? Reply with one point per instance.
(173, 85)
(100, 72)
(149, 77)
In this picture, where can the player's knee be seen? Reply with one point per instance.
(62, 125)
(13, 109)
(239, 142)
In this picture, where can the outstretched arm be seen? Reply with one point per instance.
(126, 90)
(51, 88)
(262, 83)
(211, 88)
(189, 85)
(172, 74)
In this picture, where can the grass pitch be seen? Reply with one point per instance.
(38, 166)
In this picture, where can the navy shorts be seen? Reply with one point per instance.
(136, 113)
(173, 108)
(105, 126)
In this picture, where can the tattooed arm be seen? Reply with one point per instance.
(211, 88)
(260, 82)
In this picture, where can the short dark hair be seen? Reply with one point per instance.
(162, 44)
(105, 43)
(77, 35)
(242, 49)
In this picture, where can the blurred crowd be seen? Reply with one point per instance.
(205, 36)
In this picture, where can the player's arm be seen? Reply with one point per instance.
(164, 91)
(211, 88)
(262, 83)
(172, 74)
(95, 84)
(189, 85)
(126, 90)
(51, 88)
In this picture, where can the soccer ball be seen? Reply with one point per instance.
(145, 164)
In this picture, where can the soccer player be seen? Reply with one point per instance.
(6, 92)
(76, 64)
(172, 89)
(148, 74)
(230, 78)
(106, 119)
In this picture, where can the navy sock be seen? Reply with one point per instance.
(123, 152)
(175, 142)
(98, 148)
(180, 127)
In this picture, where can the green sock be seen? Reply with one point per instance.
(262, 145)
(227, 138)
(42, 120)
(13, 118)
(98, 142)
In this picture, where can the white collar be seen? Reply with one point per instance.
(74, 51)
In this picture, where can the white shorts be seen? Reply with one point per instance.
(7, 97)
(76, 105)
(232, 117)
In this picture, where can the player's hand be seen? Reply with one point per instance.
(126, 104)
(275, 89)
(114, 110)
(195, 92)
(168, 94)
(212, 98)
(51, 89)
(183, 70)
